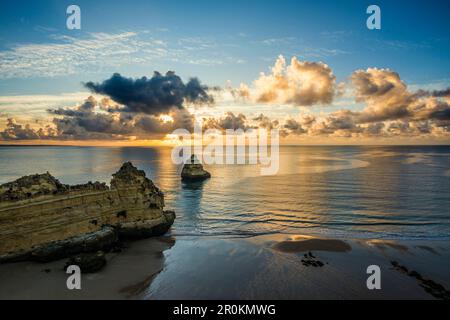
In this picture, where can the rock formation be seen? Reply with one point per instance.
(88, 262)
(42, 219)
(193, 171)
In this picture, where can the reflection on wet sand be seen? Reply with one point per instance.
(140, 287)
(384, 244)
(429, 249)
(283, 266)
(252, 268)
(307, 245)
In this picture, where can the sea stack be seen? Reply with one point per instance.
(193, 170)
(42, 219)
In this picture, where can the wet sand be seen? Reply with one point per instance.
(306, 244)
(265, 267)
(126, 275)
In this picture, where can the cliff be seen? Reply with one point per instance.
(43, 219)
(193, 171)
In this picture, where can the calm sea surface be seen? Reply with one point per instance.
(353, 192)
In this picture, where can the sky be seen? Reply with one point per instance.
(327, 77)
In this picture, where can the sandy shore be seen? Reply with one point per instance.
(126, 275)
(265, 267)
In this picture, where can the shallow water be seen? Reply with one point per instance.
(351, 192)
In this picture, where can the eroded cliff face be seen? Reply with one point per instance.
(42, 219)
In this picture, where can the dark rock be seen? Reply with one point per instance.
(310, 260)
(90, 186)
(147, 231)
(435, 289)
(31, 186)
(415, 274)
(88, 262)
(403, 269)
(103, 239)
(193, 171)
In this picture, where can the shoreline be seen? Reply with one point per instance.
(277, 266)
(47, 281)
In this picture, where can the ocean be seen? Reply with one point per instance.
(362, 192)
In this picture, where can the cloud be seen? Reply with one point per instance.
(85, 108)
(278, 41)
(387, 98)
(33, 107)
(88, 122)
(154, 95)
(319, 52)
(444, 93)
(127, 109)
(146, 125)
(441, 114)
(15, 131)
(339, 121)
(301, 83)
(441, 93)
(390, 110)
(101, 52)
(229, 121)
(384, 93)
(83, 122)
(266, 123)
(294, 127)
(150, 108)
(67, 55)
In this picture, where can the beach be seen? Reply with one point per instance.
(263, 267)
(224, 150)
(240, 235)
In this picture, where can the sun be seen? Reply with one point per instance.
(165, 118)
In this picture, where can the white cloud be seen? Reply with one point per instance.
(69, 55)
(35, 106)
(103, 52)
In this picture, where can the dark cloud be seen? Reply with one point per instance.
(155, 95)
(85, 122)
(148, 124)
(229, 121)
(93, 125)
(441, 114)
(375, 129)
(441, 93)
(266, 123)
(434, 93)
(86, 107)
(342, 120)
(294, 127)
(82, 122)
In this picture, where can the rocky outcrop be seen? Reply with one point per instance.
(42, 219)
(193, 171)
(88, 262)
